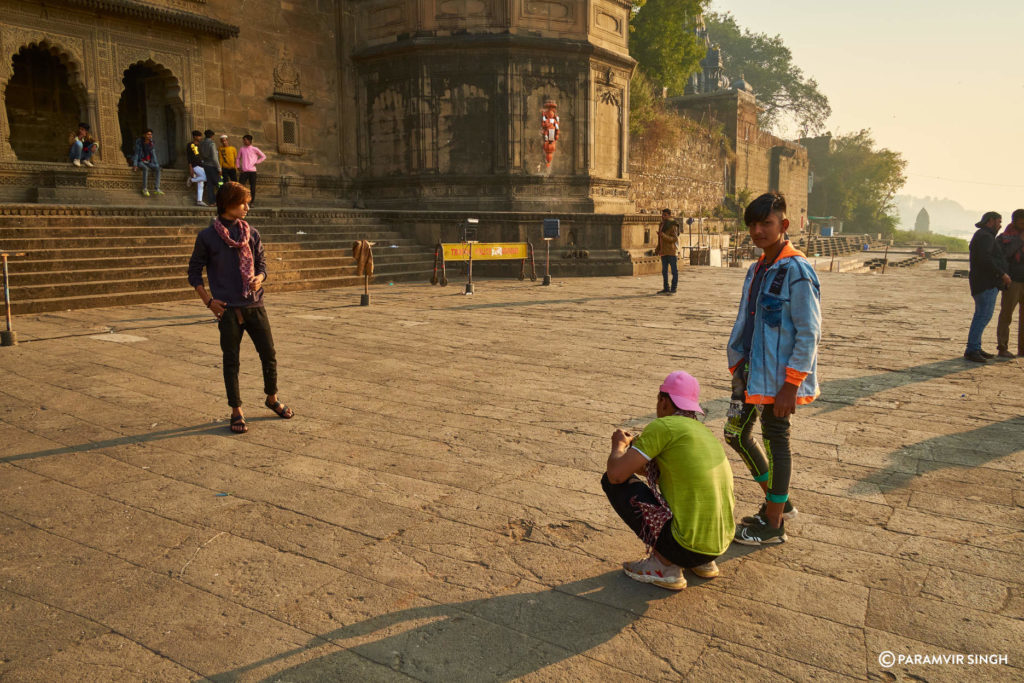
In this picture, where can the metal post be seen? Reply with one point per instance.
(8, 337)
(547, 261)
(885, 259)
(364, 300)
(469, 270)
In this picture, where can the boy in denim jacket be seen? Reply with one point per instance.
(773, 355)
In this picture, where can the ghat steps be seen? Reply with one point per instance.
(83, 257)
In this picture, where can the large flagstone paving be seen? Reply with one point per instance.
(434, 510)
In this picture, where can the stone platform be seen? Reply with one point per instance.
(434, 512)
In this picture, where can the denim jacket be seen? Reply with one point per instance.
(138, 153)
(787, 329)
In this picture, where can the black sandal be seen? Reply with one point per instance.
(281, 409)
(238, 425)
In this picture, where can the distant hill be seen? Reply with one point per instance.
(947, 216)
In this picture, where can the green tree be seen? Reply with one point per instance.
(856, 182)
(662, 40)
(786, 94)
(643, 105)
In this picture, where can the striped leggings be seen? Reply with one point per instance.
(771, 464)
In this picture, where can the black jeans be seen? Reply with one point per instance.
(621, 497)
(256, 323)
(212, 178)
(773, 463)
(249, 177)
(230, 174)
(666, 263)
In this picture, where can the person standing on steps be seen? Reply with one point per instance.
(197, 175)
(249, 157)
(211, 166)
(232, 253)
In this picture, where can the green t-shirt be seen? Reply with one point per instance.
(695, 479)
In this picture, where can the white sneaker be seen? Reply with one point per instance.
(708, 570)
(651, 570)
(76, 162)
(87, 163)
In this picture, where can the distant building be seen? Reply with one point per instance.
(760, 161)
(922, 224)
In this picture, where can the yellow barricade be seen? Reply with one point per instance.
(481, 251)
(485, 251)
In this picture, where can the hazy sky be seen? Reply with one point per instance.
(939, 81)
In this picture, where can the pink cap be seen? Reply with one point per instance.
(684, 390)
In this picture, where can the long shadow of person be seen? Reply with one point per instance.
(961, 450)
(499, 638)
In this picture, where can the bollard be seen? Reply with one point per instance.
(547, 261)
(942, 263)
(8, 337)
(469, 269)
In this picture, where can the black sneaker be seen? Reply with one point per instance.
(975, 357)
(760, 534)
(664, 291)
(986, 354)
(759, 517)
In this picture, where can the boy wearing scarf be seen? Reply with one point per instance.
(684, 511)
(232, 253)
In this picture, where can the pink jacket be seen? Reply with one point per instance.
(248, 157)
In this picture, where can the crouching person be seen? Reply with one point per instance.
(684, 511)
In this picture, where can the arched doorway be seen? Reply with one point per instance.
(42, 107)
(151, 99)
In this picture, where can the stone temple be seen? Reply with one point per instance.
(430, 104)
(387, 120)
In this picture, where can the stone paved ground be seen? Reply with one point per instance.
(434, 511)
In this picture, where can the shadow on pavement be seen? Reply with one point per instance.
(499, 638)
(840, 393)
(220, 428)
(961, 450)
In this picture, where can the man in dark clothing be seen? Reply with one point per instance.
(196, 174)
(1012, 244)
(211, 165)
(987, 277)
(232, 253)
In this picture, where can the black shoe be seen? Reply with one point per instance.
(760, 534)
(788, 512)
(665, 291)
(672, 291)
(986, 354)
(975, 356)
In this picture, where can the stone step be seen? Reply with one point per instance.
(68, 231)
(184, 251)
(117, 269)
(336, 239)
(179, 258)
(24, 307)
(118, 285)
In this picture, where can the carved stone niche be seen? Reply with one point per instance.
(288, 105)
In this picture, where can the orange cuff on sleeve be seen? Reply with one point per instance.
(732, 370)
(795, 377)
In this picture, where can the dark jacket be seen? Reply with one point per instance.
(1012, 244)
(988, 265)
(222, 269)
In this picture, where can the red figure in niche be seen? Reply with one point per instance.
(549, 129)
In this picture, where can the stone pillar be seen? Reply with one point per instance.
(6, 72)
